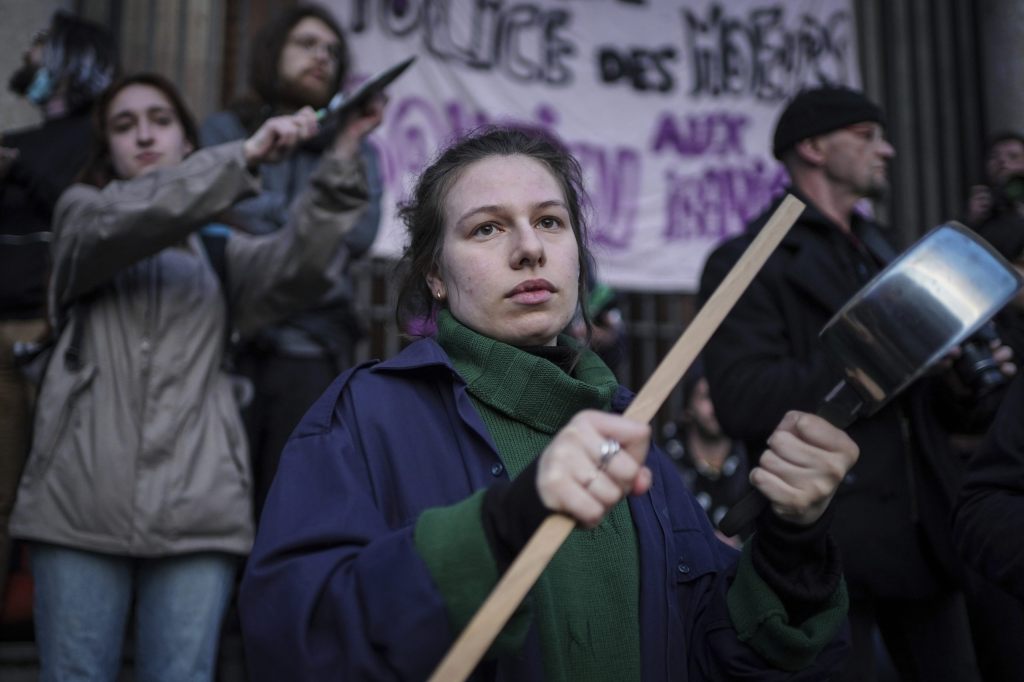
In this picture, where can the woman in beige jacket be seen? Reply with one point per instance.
(138, 485)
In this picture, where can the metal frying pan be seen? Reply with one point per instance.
(907, 318)
(341, 105)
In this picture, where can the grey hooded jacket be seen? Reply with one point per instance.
(141, 451)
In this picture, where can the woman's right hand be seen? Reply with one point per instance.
(279, 135)
(570, 478)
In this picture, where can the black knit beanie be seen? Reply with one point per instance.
(820, 111)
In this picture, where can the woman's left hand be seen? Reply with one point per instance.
(805, 461)
(358, 125)
(279, 135)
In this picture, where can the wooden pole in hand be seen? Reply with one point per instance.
(510, 591)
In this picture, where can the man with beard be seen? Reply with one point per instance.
(1003, 192)
(64, 69)
(298, 60)
(892, 512)
(996, 211)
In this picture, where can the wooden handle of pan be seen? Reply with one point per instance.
(510, 591)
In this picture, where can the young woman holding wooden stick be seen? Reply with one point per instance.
(412, 483)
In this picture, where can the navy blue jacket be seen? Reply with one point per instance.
(335, 588)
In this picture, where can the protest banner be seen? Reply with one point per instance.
(669, 105)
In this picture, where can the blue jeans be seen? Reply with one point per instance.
(83, 601)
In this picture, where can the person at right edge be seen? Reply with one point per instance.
(995, 210)
(892, 512)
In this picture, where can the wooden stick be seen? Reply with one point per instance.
(510, 591)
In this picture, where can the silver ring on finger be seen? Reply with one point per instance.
(609, 449)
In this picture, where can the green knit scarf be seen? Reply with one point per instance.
(586, 603)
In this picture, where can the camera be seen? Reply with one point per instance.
(1009, 193)
(977, 367)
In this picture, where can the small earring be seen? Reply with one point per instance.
(438, 294)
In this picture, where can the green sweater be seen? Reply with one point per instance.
(586, 603)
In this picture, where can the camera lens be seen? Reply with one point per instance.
(977, 366)
(978, 369)
(1013, 189)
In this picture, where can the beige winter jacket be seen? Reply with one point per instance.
(142, 451)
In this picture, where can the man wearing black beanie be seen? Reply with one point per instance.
(892, 513)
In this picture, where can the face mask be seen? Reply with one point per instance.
(41, 89)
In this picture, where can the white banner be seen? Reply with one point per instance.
(669, 105)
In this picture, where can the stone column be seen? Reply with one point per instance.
(1000, 28)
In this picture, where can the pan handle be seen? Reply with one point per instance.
(840, 408)
(743, 513)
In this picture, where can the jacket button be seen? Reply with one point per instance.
(497, 469)
(683, 568)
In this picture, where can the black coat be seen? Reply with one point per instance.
(893, 510)
(50, 157)
(990, 513)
